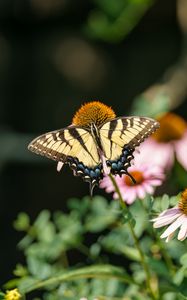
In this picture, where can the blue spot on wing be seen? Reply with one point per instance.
(91, 175)
(120, 165)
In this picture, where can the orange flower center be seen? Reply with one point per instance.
(137, 175)
(183, 202)
(93, 112)
(172, 127)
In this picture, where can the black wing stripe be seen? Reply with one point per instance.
(111, 146)
(62, 137)
(75, 134)
(112, 128)
(54, 136)
(124, 127)
(131, 122)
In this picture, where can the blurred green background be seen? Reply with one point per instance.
(56, 55)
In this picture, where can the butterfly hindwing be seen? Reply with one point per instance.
(74, 146)
(120, 136)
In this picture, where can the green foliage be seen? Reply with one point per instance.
(112, 20)
(145, 107)
(2, 296)
(52, 240)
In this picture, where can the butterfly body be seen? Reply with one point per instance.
(97, 145)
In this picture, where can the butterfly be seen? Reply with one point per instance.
(96, 148)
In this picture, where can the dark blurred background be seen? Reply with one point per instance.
(56, 55)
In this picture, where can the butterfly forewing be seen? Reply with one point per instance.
(121, 132)
(74, 146)
(120, 136)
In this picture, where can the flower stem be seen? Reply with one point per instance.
(136, 241)
(167, 258)
(97, 271)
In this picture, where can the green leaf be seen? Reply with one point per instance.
(158, 266)
(11, 284)
(174, 200)
(20, 271)
(140, 216)
(167, 287)
(44, 227)
(95, 250)
(183, 260)
(2, 296)
(80, 206)
(98, 271)
(115, 240)
(164, 202)
(161, 203)
(101, 214)
(112, 20)
(128, 217)
(22, 223)
(181, 297)
(26, 283)
(175, 249)
(130, 252)
(25, 242)
(38, 268)
(170, 296)
(179, 276)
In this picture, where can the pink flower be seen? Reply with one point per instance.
(176, 217)
(181, 150)
(147, 178)
(169, 141)
(159, 154)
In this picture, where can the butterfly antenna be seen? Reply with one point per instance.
(131, 177)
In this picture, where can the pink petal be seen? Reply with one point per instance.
(163, 221)
(155, 182)
(126, 193)
(109, 189)
(120, 181)
(163, 153)
(106, 184)
(131, 198)
(171, 211)
(115, 196)
(154, 170)
(129, 195)
(148, 188)
(183, 231)
(181, 150)
(168, 214)
(173, 226)
(140, 191)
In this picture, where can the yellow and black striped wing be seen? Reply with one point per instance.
(74, 146)
(120, 136)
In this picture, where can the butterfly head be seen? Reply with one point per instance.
(93, 113)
